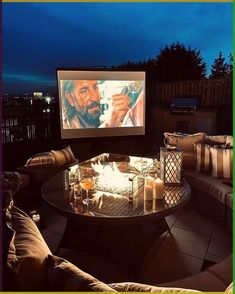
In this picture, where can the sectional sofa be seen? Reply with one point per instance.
(29, 254)
(32, 267)
(207, 166)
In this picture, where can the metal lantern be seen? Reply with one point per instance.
(171, 166)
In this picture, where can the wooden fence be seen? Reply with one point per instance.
(211, 92)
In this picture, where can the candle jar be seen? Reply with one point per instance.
(158, 190)
(148, 188)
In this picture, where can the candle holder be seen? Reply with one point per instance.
(171, 166)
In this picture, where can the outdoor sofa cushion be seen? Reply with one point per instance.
(64, 276)
(136, 287)
(216, 187)
(28, 252)
(186, 143)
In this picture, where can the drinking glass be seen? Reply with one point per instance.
(87, 183)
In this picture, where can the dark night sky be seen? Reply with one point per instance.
(39, 37)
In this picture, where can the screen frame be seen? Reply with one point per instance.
(99, 74)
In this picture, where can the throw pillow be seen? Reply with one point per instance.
(29, 260)
(203, 160)
(43, 159)
(64, 276)
(63, 156)
(185, 143)
(222, 162)
(215, 140)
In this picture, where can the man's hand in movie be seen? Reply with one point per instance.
(120, 106)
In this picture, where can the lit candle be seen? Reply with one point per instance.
(158, 189)
(148, 188)
(36, 218)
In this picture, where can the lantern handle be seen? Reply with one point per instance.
(168, 145)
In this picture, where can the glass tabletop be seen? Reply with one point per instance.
(118, 192)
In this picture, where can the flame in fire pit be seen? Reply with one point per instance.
(111, 180)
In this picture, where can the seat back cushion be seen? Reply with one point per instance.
(229, 141)
(203, 158)
(28, 252)
(64, 276)
(186, 143)
(136, 287)
(215, 140)
(63, 156)
(222, 162)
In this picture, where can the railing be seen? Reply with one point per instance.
(27, 122)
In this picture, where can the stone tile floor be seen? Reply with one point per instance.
(176, 254)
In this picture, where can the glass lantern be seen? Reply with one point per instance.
(171, 166)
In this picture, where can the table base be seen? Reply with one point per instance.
(124, 245)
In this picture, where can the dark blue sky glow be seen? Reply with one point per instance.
(39, 37)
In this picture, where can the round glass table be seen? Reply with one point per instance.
(113, 224)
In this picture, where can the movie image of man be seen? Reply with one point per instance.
(84, 105)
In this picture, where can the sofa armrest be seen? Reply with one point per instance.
(38, 174)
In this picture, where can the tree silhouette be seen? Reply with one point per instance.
(230, 67)
(174, 63)
(177, 63)
(219, 68)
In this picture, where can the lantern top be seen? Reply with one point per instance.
(165, 149)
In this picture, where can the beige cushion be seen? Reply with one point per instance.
(185, 143)
(41, 159)
(222, 162)
(29, 260)
(229, 141)
(203, 281)
(215, 140)
(229, 288)
(63, 156)
(215, 279)
(213, 186)
(223, 270)
(136, 287)
(191, 176)
(64, 276)
(203, 159)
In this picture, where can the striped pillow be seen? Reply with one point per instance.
(63, 156)
(41, 159)
(64, 276)
(222, 162)
(203, 158)
(215, 140)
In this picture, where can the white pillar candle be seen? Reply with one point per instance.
(148, 206)
(158, 191)
(148, 188)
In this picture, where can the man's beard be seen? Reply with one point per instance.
(91, 118)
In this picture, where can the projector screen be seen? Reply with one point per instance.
(101, 103)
